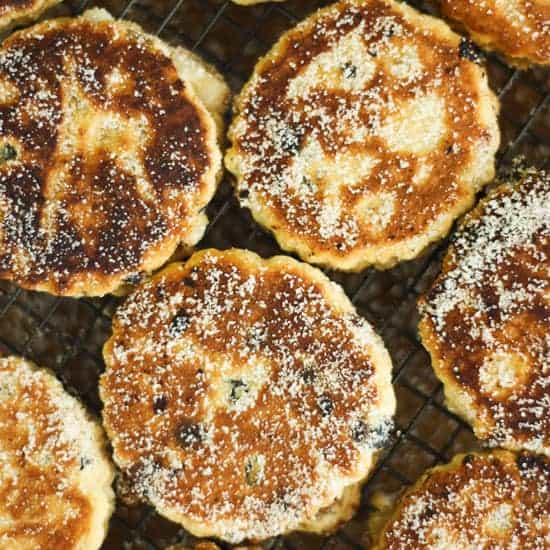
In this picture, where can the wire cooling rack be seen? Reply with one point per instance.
(67, 335)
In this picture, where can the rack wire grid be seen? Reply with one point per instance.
(67, 335)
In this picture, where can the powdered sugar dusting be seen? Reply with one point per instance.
(478, 502)
(243, 396)
(13, 12)
(105, 159)
(518, 28)
(49, 459)
(358, 80)
(490, 313)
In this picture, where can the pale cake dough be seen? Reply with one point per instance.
(55, 476)
(107, 155)
(497, 500)
(519, 29)
(207, 83)
(363, 134)
(19, 12)
(244, 397)
(485, 321)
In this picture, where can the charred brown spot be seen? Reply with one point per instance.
(160, 292)
(290, 140)
(190, 434)
(527, 462)
(359, 431)
(190, 282)
(160, 404)
(308, 375)
(379, 435)
(308, 184)
(468, 50)
(134, 279)
(238, 390)
(7, 153)
(428, 512)
(468, 459)
(376, 437)
(253, 470)
(180, 323)
(349, 70)
(326, 405)
(84, 462)
(389, 31)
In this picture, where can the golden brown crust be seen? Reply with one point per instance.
(483, 501)
(519, 29)
(242, 396)
(18, 12)
(485, 320)
(108, 156)
(363, 134)
(55, 477)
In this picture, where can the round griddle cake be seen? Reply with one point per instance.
(363, 134)
(55, 477)
(107, 157)
(244, 397)
(478, 501)
(519, 29)
(17, 12)
(485, 321)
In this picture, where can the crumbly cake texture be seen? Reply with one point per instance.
(207, 83)
(519, 29)
(363, 134)
(19, 12)
(107, 155)
(485, 321)
(243, 397)
(478, 501)
(55, 476)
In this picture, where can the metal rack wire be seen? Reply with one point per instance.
(67, 335)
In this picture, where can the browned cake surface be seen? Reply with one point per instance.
(479, 501)
(54, 476)
(9, 5)
(486, 320)
(520, 29)
(363, 134)
(106, 156)
(13, 12)
(241, 395)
